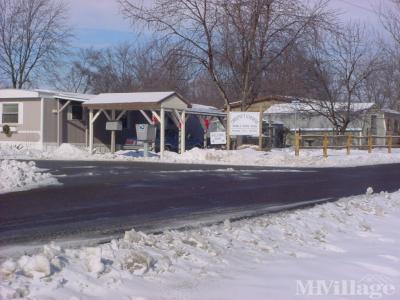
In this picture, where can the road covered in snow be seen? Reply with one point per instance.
(347, 249)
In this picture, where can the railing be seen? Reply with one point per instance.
(345, 142)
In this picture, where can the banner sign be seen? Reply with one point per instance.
(218, 138)
(244, 123)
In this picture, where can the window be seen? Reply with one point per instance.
(75, 112)
(10, 113)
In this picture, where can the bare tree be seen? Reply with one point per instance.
(33, 35)
(234, 41)
(386, 88)
(383, 86)
(342, 61)
(389, 15)
(125, 68)
(75, 76)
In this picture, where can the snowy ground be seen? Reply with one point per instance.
(351, 244)
(249, 157)
(18, 176)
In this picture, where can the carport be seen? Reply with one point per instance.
(154, 106)
(206, 114)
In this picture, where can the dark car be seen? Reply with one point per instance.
(171, 142)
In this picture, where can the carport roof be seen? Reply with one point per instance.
(200, 109)
(143, 100)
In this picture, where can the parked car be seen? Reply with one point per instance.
(171, 142)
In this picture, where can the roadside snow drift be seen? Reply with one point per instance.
(17, 176)
(246, 157)
(257, 258)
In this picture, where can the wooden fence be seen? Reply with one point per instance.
(345, 142)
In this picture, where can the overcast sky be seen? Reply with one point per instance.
(98, 23)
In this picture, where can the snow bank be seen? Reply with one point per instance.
(285, 157)
(68, 151)
(248, 156)
(258, 258)
(17, 176)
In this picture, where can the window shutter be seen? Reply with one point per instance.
(20, 113)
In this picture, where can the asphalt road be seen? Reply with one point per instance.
(103, 199)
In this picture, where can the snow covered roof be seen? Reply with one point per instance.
(15, 93)
(66, 95)
(390, 111)
(200, 109)
(149, 97)
(290, 108)
(74, 96)
(138, 101)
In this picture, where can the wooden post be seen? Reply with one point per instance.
(205, 139)
(58, 123)
(325, 143)
(369, 143)
(91, 131)
(297, 144)
(349, 143)
(260, 133)
(228, 128)
(113, 133)
(183, 132)
(162, 132)
(390, 143)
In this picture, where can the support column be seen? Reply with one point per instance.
(58, 122)
(42, 123)
(228, 128)
(113, 133)
(162, 132)
(183, 132)
(91, 131)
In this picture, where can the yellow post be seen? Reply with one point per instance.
(369, 144)
(296, 144)
(349, 143)
(260, 133)
(390, 143)
(325, 145)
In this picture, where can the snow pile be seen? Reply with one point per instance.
(68, 151)
(20, 152)
(257, 258)
(285, 157)
(17, 176)
(196, 155)
(248, 156)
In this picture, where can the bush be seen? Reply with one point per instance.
(7, 130)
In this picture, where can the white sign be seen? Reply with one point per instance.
(218, 138)
(114, 125)
(244, 123)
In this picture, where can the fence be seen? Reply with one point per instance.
(347, 142)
